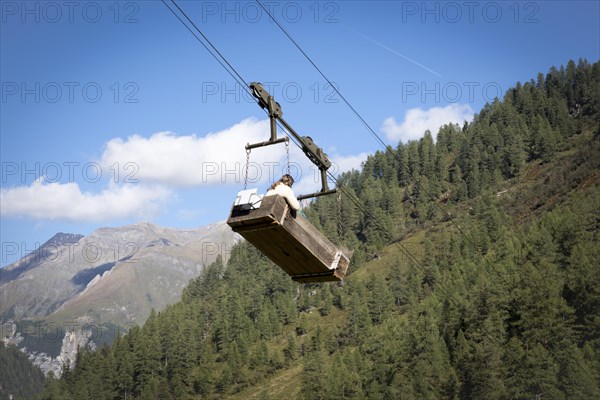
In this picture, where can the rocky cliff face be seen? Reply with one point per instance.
(71, 342)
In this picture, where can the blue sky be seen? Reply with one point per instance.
(113, 113)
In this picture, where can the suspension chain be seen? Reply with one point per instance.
(247, 167)
(287, 153)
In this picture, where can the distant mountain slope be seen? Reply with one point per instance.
(133, 268)
(48, 250)
(152, 276)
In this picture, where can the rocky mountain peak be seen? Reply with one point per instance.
(61, 239)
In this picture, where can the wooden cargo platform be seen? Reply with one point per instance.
(294, 244)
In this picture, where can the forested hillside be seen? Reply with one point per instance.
(19, 378)
(475, 276)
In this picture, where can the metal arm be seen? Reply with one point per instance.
(266, 101)
(314, 153)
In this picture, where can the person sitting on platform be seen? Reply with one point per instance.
(283, 187)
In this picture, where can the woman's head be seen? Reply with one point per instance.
(285, 179)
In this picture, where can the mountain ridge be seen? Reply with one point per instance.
(46, 251)
(65, 265)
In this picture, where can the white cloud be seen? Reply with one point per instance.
(191, 160)
(152, 168)
(417, 121)
(57, 201)
(216, 158)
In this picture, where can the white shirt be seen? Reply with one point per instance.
(287, 193)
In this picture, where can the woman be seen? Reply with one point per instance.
(283, 187)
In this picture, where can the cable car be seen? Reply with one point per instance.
(268, 223)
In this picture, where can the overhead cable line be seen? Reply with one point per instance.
(233, 70)
(365, 123)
